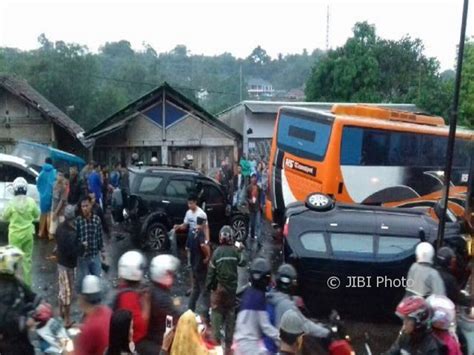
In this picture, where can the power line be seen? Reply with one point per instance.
(157, 84)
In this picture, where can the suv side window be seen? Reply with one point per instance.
(353, 246)
(392, 247)
(149, 184)
(179, 188)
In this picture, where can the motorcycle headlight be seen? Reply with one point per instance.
(469, 245)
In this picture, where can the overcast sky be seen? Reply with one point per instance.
(214, 27)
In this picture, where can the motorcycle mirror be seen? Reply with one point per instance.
(334, 316)
(422, 234)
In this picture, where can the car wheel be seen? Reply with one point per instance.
(319, 202)
(240, 227)
(156, 237)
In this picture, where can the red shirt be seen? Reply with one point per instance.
(131, 301)
(94, 336)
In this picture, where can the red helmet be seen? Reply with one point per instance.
(416, 308)
(340, 347)
(43, 313)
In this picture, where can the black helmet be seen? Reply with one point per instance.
(260, 273)
(286, 277)
(225, 235)
(444, 256)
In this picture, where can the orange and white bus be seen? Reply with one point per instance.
(363, 154)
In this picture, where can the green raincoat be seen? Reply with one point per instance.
(21, 212)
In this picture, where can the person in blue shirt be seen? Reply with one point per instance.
(95, 184)
(115, 176)
(253, 321)
(45, 184)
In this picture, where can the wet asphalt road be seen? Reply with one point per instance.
(45, 283)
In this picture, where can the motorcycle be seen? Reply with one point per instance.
(465, 329)
(337, 343)
(53, 337)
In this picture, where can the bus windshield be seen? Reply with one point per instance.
(305, 137)
(372, 147)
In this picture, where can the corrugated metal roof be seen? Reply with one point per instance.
(261, 107)
(273, 106)
(23, 90)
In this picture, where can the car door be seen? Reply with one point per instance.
(175, 197)
(147, 187)
(214, 204)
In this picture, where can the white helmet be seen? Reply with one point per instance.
(20, 186)
(10, 259)
(444, 312)
(91, 285)
(424, 253)
(154, 161)
(161, 265)
(131, 266)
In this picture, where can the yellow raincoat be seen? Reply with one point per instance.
(187, 340)
(21, 212)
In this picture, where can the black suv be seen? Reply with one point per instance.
(354, 258)
(158, 200)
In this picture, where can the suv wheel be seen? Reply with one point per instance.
(319, 202)
(240, 227)
(156, 237)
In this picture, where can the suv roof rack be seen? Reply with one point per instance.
(162, 167)
(297, 207)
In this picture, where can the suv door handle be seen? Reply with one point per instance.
(165, 201)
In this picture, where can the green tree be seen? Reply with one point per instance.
(370, 69)
(348, 73)
(466, 108)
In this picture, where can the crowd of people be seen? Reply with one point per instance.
(428, 309)
(246, 184)
(142, 316)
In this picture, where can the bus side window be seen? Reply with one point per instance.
(374, 149)
(351, 147)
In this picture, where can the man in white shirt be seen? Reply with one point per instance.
(197, 249)
(190, 219)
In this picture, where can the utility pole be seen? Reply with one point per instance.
(452, 127)
(327, 28)
(241, 82)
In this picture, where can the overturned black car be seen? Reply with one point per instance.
(355, 258)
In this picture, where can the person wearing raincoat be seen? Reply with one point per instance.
(45, 184)
(188, 338)
(21, 212)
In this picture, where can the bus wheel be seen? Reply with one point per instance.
(319, 202)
